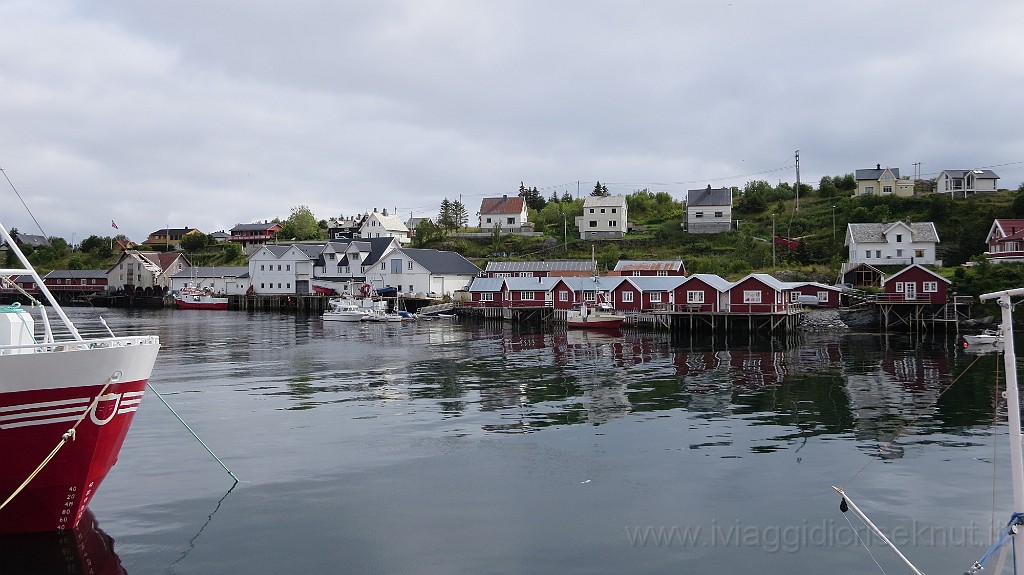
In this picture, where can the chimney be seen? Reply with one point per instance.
(878, 166)
(504, 196)
(385, 212)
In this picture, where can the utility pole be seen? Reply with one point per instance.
(773, 240)
(797, 204)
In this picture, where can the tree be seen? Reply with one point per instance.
(461, 214)
(600, 190)
(532, 197)
(301, 225)
(448, 218)
(425, 233)
(194, 242)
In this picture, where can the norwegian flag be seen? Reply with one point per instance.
(113, 225)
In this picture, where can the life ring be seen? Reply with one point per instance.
(365, 289)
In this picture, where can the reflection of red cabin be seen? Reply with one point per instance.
(915, 284)
(759, 293)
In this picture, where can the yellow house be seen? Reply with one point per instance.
(883, 182)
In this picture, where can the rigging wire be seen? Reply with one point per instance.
(27, 209)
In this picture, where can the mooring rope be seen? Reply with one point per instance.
(69, 435)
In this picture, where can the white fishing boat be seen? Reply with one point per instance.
(1004, 547)
(601, 316)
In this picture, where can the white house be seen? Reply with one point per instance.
(963, 182)
(145, 269)
(413, 271)
(898, 243)
(508, 213)
(283, 269)
(345, 266)
(228, 280)
(385, 225)
(709, 211)
(882, 182)
(603, 217)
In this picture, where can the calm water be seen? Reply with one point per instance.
(440, 447)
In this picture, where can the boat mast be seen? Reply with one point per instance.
(1012, 406)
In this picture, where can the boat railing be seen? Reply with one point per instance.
(77, 345)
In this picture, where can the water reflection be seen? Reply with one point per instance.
(85, 549)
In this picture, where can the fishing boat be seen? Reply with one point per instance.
(66, 403)
(601, 316)
(345, 310)
(1004, 547)
(379, 315)
(195, 298)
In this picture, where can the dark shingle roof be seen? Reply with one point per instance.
(439, 262)
(709, 197)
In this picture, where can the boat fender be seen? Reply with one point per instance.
(843, 506)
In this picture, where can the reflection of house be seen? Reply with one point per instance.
(883, 181)
(229, 280)
(709, 211)
(539, 269)
(603, 217)
(506, 213)
(1005, 241)
(963, 182)
(649, 268)
(897, 243)
(145, 269)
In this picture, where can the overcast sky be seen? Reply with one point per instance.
(211, 113)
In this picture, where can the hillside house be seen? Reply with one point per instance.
(169, 238)
(898, 243)
(506, 213)
(604, 217)
(254, 236)
(960, 183)
(709, 211)
(882, 182)
(384, 225)
(1005, 241)
(345, 228)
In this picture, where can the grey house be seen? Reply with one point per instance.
(709, 211)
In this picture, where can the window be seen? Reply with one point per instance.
(878, 253)
(869, 190)
(637, 272)
(867, 254)
(510, 221)
(288, 268)
(487, 296)
(627, 297)
(918, 253)
(593, 223)
(656, 297)
(563, 295)
(288, 285)
(899, 238)
(589, 296)
(612, 223)
(278, 285)
(261, 267)
(383, 266)
(823, 297)
(526, 295)
(794, 296)
(899, 287)
(279, 269)
(698, 214)
(694, 296)
(354, 257)
(396, 266)
(751, 296)
(523, 275)
(930, 287)
(718, 214)
(591, 210)
(899, 253)
(262, 286)
(488, 220)
(613, 210)
(330, 256)
(602, 210)
(886, 189)
(410, 266)
(662, 272)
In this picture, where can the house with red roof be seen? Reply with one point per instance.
(1005, 241)
(507, 213)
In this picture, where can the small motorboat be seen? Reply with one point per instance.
(345, 310)
(989, 338)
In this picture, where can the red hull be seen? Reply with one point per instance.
(194, 305)
(86, 549)
(32, 423)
